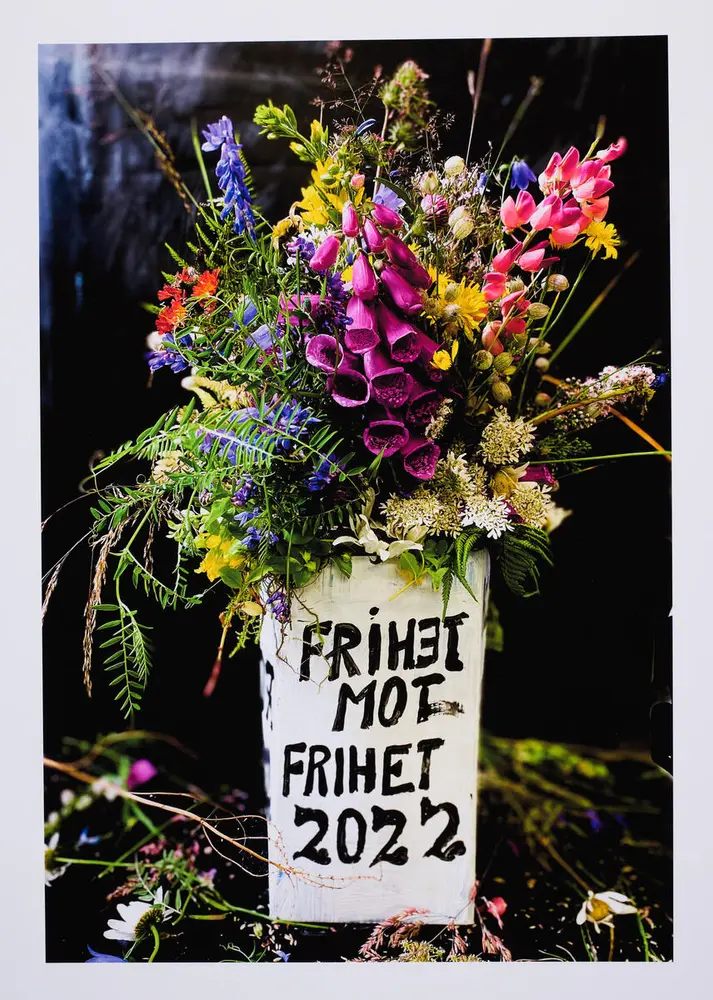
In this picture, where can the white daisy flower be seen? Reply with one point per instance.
(136, 918)
(601, 908)
(372, 544)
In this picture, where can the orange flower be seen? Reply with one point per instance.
(170, 317)
(206, 284)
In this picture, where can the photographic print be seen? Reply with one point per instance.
(356, 461)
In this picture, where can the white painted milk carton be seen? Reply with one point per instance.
(371, 716)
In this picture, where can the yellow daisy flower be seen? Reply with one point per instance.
(318, 196)
(444, 359)
(458, 303)
(602, 236)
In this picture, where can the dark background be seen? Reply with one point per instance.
(584, 662)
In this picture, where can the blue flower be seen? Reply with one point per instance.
(284, 955)
(323, 475)
(84, 838)
(243, 492)
(230, 172)
(263, 337)
(247, 515)
(520, 175)
(482, 181)
(594, 820)
(255, 535)
(98, 956)
(385, 196)
(169, 357)
(366, 126)
(661, 379)
(280, 607)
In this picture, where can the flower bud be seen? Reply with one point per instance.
(435, 208)
(503, 482)
(428, 183)
(503, 361)
(357, 181)
(451, 292)
(500, 391)
(483, 360)
(557, 283)
(326, 254)
(539, 346)
(537, 310)
(454, 165)
(542, 364)
(350, 220)
(461, 223)
(514, 285)
(543, 400)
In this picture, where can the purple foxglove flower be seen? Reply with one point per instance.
(323, 352)
(348, 387)
(140, 772)
(361, 335)
(417, 276)
(399, 253)
(423, 403)
(539, 474)
(428, 348)
(350, 220)
(374, 239)
(402, 338)
(405, 296)
(388, 436)
(390, 384)
(386, 217)
(420, 457)
(363, 278)
(326, 255)
(435, 208)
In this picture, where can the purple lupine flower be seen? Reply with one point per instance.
(230, 172)
(243, 492)
(383, 195)
(98, 956)
(482, 181)
(279, 606)
(520, 175)
(168, 356)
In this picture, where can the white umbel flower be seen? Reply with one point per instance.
(136, 918)
(601, 908)
(489, 514)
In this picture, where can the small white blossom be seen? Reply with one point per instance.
(136, 917)
(52, 869)
(489, 514)
(602, 907)
(505, 440)
(372, 544)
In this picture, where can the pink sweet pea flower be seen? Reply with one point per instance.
(374, 239)
(595, 210)
(591, 180)
(547, 214)
(517, 213)
(140, 772)
(363, 278)
(325, 255)
(534, 259)
(494, 283)
(350, 220)
(570, 225)
(614, 151)
(558, 171)
(504, 260)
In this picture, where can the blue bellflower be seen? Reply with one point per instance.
(520, 175)
(168, 356)
(385, 196)
(98, 956)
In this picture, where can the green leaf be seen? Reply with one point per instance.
(344, 562)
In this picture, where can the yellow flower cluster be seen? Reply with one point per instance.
(322, 194)
(457, 304)
(222, 553)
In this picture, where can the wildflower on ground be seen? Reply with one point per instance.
(53, 870)
(98, 956)
(600, 908)
(137, 918)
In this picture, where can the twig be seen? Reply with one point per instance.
(476, 92)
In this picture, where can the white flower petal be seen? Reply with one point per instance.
(582, 915)
(119, 936)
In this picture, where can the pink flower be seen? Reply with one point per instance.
(388, 436)
(496, 907)
(350, 220)
(517, 213)
(140, 772)
(491, 337)
(362, 334)
(357, 181)
(494, 284)
(570, 225)
(534, 259)
(374, 239)
(514, 303)
(614, 151)
(348, 387)
(363, 278)
(417, 275)
(591, 180)
(547, 214)
(325, 255)
(405, 296)
(386, 217)
(504, 260)
(402, 338)
(323, 352)
(558, 171)
(435, 208)
(423, 403)
(399, 253)
(595, 210)
(390, 384)
(420, 457)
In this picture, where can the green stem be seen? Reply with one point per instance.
(157, 943)
(97, 861)
(600, 458)
(644, 937)
(572, 333)
(201, 164)
(261, 916)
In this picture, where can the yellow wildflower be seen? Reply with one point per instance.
(219, 555)
(317, 198)
(347, 273)
(444, 358)
(602, 236)
(291, 223)
(458, 303)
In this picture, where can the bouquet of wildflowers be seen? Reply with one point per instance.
(368, 377)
